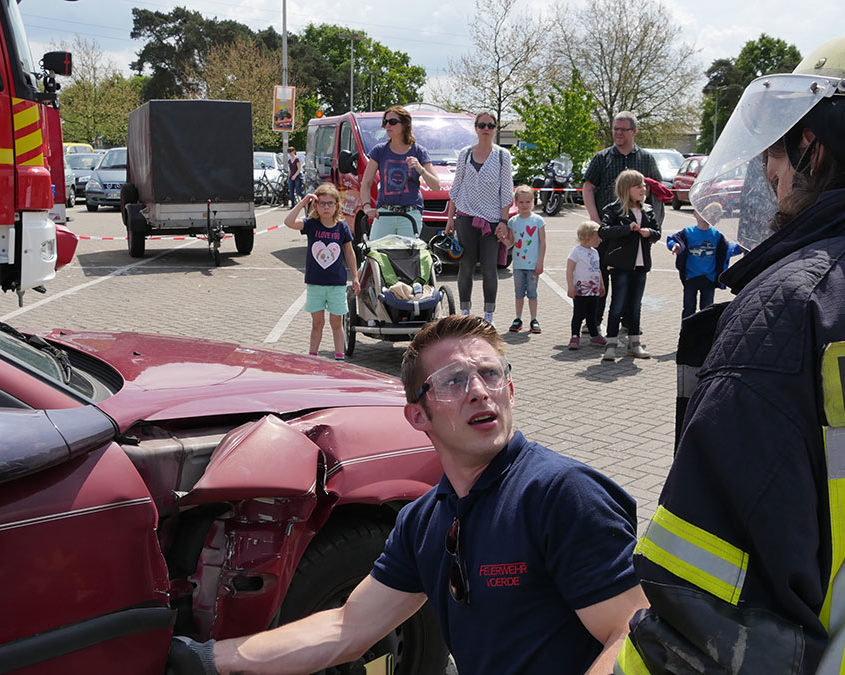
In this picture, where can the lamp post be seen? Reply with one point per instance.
(351, 37)
(285, 136)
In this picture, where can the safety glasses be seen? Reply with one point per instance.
(452, 381)
(485, 125)
(458, 583)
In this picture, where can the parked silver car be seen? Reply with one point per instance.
(103, 187)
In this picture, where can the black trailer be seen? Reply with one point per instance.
(189, 171)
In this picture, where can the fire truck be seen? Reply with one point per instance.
(30, 144)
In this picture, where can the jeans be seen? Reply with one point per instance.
(295, 188)
(694, 286)
(627, 288)
(477, 248)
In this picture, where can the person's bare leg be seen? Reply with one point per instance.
(318, 321)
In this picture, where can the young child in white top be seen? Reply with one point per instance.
(584, 283)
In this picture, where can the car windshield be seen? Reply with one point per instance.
(668, 163)
(79, 161)
(442, 137)
(113, 159)
(262, 161)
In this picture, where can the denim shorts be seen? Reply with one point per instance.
(332, 298)
(525, 284)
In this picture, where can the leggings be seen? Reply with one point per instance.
(477, 248)
(584, 307)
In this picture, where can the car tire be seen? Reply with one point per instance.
(349, 321)
(338, 558)
(70, 198)
(91, 207)
(676, 203)
(137, 242)
(244, 240)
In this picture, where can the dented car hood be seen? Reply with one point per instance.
(167, 377)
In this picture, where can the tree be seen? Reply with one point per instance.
(508, 54)
(95, 105)
(562, 124)
(177, 45)
(394, 79)
(631, 58)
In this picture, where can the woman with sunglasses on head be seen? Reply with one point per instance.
(481, 196)
(401, 162)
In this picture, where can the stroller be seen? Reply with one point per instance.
(399, 291)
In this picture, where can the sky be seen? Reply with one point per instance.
(431, 33)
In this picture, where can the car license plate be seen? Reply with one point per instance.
(113, 194)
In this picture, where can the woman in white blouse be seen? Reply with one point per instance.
(480, 199)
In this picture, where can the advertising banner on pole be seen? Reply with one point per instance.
(283, 108)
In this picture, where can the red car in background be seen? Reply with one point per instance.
(685, 178)
(156, 486)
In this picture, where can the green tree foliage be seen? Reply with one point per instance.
(177, 44)
(394, 79)
(727, 78)
(632, 58)
(559, 122)
(96, 102)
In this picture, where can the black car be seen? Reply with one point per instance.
(82, 164)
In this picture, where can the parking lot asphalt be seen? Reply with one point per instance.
(617, 417)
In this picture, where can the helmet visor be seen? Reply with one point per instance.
(732, 186)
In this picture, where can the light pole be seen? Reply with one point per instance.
(285, 136)
(351, 37)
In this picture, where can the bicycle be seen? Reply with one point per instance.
(270, 192)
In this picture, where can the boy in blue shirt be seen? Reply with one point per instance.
(528, 238)
(702, 255)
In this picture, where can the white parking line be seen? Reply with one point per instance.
(283, 323)
(70, 291)
(551, 283)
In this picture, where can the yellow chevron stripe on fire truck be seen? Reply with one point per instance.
(29, 142)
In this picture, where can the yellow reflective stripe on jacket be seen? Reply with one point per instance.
(629, 661)
(695, 555)
(834, 446)
(833, 383)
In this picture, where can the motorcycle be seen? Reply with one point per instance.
(554, 183)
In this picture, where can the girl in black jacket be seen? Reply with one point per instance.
(629, 228)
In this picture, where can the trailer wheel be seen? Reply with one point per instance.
(349, 321)
(244, 240)
(137, 243)
(128, 195)
(337, 559)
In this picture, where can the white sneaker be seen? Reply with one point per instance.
(488, 317)
(636, 350)
(609, 353)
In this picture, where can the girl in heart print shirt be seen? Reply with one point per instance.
(329, 243)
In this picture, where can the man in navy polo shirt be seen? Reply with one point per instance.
(524, 554)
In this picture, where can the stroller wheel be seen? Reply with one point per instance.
(349, 321)
(447, 302)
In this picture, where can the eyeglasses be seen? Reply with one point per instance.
(391, 121)
(452, 381)
(615, 129)
(458, 582)
(326, 205)
(486, 125)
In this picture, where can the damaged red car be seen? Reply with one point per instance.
(156, 486)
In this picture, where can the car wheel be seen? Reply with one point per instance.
(137, 243)
(244, 240)
(337, 559)
(70, 198)
(91, 207)
(449, 299)
(553, 204)
(349, 321)
(676, 203)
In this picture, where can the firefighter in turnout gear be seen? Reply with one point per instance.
(743, 560)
